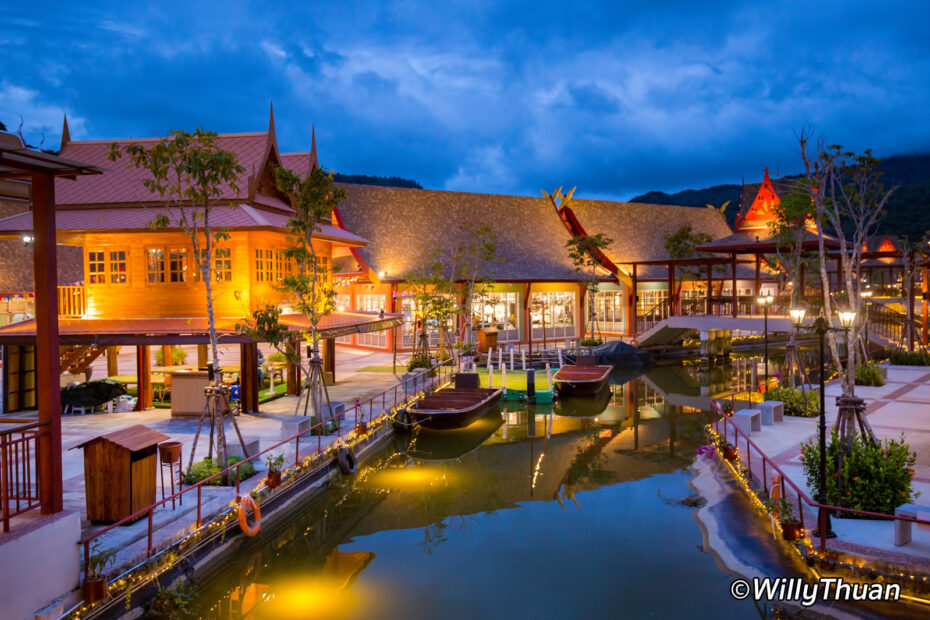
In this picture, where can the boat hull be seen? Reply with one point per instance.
(581, 380)
(454, 408)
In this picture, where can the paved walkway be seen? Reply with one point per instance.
(902, 405)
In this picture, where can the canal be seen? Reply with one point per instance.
(573, 510)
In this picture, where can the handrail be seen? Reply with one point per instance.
(19, 467)
(149, 510)
(802, 496)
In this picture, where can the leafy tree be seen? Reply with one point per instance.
(313, 199)
(432, 303)
(585, 252)
(682, 245)
(189, 171)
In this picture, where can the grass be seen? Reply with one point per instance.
(280, 389)
(400, 367)
(516, 379)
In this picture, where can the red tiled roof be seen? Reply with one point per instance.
(135, 437)
(299, 163)
(122, 185)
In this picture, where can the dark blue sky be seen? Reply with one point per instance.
(488, 96)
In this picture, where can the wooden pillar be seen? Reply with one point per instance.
(733, 284)
(112, 361)
(202, 356)
(671, 289)
(710, 288)
(48, 371)
(143, 377)
(329, 358)
(634, 305)
(924, 303)
(248, 376)
(527, 319)
(758, 283)
(167, 353)
(580, 312)
(293, 370)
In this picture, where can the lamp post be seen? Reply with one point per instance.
(847, 318)
(765, 301)
(867, 300)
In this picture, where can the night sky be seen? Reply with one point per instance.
(501, 97)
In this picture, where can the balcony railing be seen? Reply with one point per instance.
(19, 467)
(72, 302)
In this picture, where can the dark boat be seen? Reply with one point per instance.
(446, 445)
(455, 407)
(585, 378)
(584, 406)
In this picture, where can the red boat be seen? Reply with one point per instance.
(585, 378)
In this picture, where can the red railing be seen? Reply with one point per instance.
(724, 422)
(409, 388)
(19, 467)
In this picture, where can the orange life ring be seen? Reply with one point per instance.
(248, 530)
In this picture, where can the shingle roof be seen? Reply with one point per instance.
(403, 224)
(16, 274)
(123, 185)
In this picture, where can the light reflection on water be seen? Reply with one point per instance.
(526, 513)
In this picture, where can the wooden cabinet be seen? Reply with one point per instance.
(120, 472)
(187, 392)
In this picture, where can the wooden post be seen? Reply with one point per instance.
(329, 358)
(143, 377)
(632, 327)
(48, 370)
(580, 312)
(112, 361)
(167, 355)
(671, 289)
(710, 288)
(248, 376)
(528, 320)
(293, 370)
(758, 283)
(202, 356)
(924, 304)
(733, 284)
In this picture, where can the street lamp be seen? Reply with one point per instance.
(847, 318)
(866, 295)
(821, 327)
(765, 301)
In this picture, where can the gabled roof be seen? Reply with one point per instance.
(402, 225)
(132, 438)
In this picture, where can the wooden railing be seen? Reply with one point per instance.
(19, 467)
(72, 302)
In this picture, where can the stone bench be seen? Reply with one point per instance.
(772, 411)
(747, 420)
(292, 426)
(234, 448)
(902, 529)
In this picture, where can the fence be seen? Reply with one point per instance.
(19, 467)
(726, 428)
(364, 412)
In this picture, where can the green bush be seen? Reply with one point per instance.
(276, 357)
(869, 374)
(591, 342)
(176, 603)
(208, 467)
(418, 362)
(178, 355)
(797, 403)
(876, 478)
(908, 358)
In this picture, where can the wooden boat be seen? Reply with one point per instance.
(450, 444)
(589, 406)
(455, 407)
(585, 378)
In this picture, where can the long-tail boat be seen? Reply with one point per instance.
(585, 378)
(455, 407)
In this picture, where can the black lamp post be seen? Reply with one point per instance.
(765, 301)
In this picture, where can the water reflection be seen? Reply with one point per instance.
(514, 498)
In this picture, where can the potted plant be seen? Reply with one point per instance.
(94, 587)
(274, 463)
(727, 449)
(790, 526)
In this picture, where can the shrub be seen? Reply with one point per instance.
(179, 602)
(797, 403)
(178, 355)
(591, 342)
(276, 357)
(869, 374)
(907, 358)
(418, 362)
(876, 478)
(208, 467)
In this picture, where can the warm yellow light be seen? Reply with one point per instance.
(797, 316)
(847, 319)
(765, 300)
(409, 478)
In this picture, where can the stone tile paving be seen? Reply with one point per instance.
(902, 405)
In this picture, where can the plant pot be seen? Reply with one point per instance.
(170, 451)
(361, 428)
(729, 453)
(94, 590)
(273, 479)
(791, 531)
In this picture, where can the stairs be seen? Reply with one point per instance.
(76, 359)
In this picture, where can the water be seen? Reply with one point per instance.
(525, 514)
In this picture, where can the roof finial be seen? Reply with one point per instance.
(271, 119)
(766, 179)
(65, 134)
(314, 161)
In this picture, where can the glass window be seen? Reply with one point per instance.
(608, 306)
(177, 265)
(156, 265)
(370, 303)
(342, 302)
(260, 265)
(223, 261)
(96, 268)
(118, 273)
(279, 265)
(553, 314)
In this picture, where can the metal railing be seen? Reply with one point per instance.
(730, 430)
(19, 467)
(364, 412)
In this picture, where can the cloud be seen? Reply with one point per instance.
(40, 120)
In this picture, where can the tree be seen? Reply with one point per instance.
(432, 303)
(681, 245)
(313, 199)
(189, 171)
(585, 252)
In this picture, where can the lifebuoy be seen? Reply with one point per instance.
(347, 462)
(249, 530)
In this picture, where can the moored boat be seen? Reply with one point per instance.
(585, 378)
(455, 407)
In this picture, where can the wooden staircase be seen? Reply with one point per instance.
(75, 359)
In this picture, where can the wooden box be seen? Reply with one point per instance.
(187, 396)
(120, 472)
